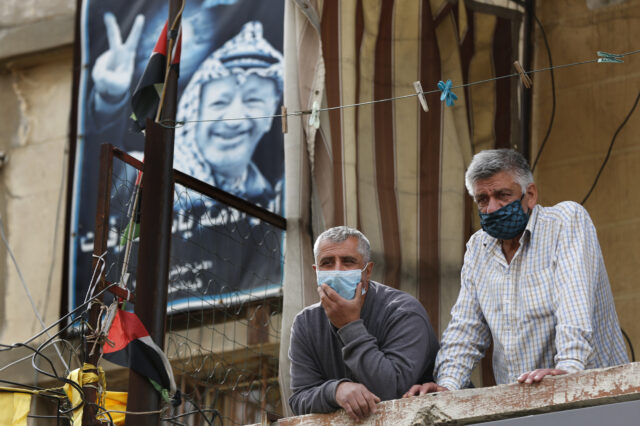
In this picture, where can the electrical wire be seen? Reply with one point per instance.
(553, 94)
(63, 318)
(216, 414)
(37, 352)
(26, 289)
(19, 360)
(595, 182)
(63, 179)
(606, 158)
(25, 388)
(633, 354)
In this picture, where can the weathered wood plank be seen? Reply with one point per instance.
(584, 389)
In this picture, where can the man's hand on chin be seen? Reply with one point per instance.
(356, 400)
(341, 311)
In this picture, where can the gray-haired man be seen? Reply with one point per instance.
(364, 342)
(533, 279)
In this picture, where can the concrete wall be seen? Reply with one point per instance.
(29, 26)
(35, 82)
(592, 101)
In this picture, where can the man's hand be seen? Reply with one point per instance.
(423, 389)
(113, 70)
(356, 400)
(341, 311)
(537, 375)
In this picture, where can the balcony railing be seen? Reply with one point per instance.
(469, 406)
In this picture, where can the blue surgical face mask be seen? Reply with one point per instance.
(343, 282)
(505, 223)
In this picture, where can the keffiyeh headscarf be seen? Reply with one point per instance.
(246, 54)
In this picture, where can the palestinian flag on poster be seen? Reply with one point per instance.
(146, 97)
(134, 348)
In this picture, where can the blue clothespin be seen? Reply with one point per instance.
(447, 95)
(609, 58)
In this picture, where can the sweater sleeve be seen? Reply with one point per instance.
(390, 368)
(311, 393)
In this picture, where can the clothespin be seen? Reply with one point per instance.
(447, 95)
(526, 81)
(314, 119)
(285, 125)
(609, 58)
(421, 98)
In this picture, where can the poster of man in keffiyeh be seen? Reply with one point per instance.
(231, 71)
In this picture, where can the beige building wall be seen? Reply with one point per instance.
(35, 82)
(592, 101)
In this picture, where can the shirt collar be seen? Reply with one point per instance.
(531, 224)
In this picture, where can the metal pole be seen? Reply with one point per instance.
(155, 242)
(99, 247)
(525, 103)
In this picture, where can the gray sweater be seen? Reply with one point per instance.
(390, 348)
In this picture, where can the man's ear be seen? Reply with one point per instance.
(532, 196)
(367, 271)
(314, 267)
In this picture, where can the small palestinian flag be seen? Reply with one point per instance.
(146, 97)
(134, 348)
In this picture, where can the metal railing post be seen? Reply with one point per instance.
(155, 242)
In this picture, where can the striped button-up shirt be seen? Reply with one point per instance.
(551, 307)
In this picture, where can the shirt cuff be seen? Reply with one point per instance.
(449, 383)
(352, 331)
(570, 365)
(330, 391)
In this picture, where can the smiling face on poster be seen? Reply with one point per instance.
(231, 68)
(226, 109)
(227, 135)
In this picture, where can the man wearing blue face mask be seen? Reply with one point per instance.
(364, 342)
(533, 280)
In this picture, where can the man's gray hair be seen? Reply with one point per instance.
(487, 163)
(339, 234)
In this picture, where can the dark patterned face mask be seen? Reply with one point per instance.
(505, 223)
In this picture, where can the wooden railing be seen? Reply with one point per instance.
(573, 391)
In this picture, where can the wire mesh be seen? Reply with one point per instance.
(224, 302)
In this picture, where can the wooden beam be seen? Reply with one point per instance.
(584, 389)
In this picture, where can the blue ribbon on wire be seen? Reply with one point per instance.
(447, 95)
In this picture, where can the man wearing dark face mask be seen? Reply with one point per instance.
(364, 342)
(533, 279)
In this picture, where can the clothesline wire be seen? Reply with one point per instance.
(175, 124)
